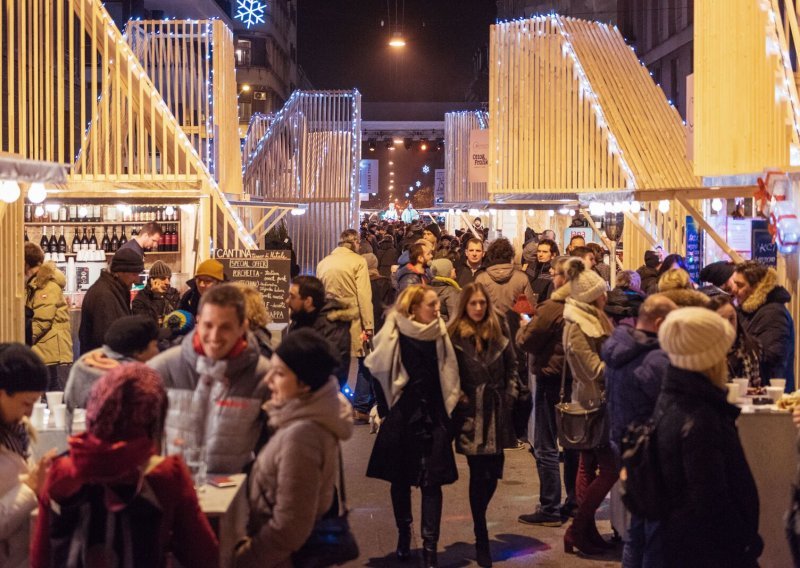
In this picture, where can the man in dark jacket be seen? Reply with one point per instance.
(764, 315)
(416, 271)
(332, 319)
(158, 298)
(539, 271)
(387, 255)
(542, 339)
(635, 367)
(109, 298)
(473, 262)
(649, 270)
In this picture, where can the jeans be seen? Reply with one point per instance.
(643, 545)
(545, 446)
(364, 395)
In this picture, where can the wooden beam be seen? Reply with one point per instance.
(696, 193)
(274, 222)
(639, 227)
(698, 217)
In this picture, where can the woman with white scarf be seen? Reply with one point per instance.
(416, 368)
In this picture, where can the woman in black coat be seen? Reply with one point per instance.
(712, 517)
(488, 370)
(417, 387)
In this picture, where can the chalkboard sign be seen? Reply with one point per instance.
(694, 249)
(765, 251)
(265, 270)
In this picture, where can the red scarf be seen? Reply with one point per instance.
(237, 350)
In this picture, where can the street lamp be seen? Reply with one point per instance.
(397, 40)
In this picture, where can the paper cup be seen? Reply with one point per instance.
(775, 393)
(54, 399)
(778, 383)
(37, 416)
(743, 384)
(60, 414)
(733, 393)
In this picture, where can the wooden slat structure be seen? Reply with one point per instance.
(310, 155)
(457, 128)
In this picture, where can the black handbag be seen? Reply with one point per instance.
(331, 542)
(580, 428)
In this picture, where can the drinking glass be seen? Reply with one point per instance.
(195, 458)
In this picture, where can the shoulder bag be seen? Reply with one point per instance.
(580, 428)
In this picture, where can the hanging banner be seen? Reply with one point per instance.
(368, 178)
(438, 187)
(478, 156)
(694, 249)
(765, 251)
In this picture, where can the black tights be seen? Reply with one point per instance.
(484, 471)
(431, 512)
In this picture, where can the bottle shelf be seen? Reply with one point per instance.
(146, 253)
(87, 223)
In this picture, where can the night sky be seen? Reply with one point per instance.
(342, 45)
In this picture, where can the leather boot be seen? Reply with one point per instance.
(597, 539)
(429, 558)
(404, 544)
(401, 505)
(483, 554)
(431, 519)
(577, 537)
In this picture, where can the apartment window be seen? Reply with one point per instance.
(245, 111)
(243, 52)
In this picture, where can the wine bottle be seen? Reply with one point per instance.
(44, 243)
(114, 239)
(122, 238)
(26, 235)
(62, 213)
(92, 242)
(52, 245)
(76, 242)
(62, 243)
(134, 231)
(73, 213)
(174, 239)
(105, 244)
(84, 240)
(28, 213)
(98, 216)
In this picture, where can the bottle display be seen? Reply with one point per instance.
(52, 245)
(122, 238)
(105, 244)
(92, 241)
(114, 240)
(62, 243)
(44, 243)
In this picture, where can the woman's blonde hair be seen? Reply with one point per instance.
(675, 280)
(254, 309)
(485, 331)
(410, 298)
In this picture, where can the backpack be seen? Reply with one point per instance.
(643, 490)
(101, 527)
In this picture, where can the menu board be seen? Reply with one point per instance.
(265, 270)
(694, 249)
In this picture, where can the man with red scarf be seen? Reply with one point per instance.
(214, 383)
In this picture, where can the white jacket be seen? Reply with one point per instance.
(17, 500)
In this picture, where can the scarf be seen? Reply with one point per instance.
(592, 321)
(385, 365)
(16, 438)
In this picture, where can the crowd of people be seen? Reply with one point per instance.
(459, 345)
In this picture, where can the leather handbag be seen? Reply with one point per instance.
(580, 428)
(331, 541)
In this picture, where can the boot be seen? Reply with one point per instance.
(597, 539)
(404, 544)
(483, 554)
(401, 505)
(429, 558)
(577, 537)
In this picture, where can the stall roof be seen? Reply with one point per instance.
(31, 171)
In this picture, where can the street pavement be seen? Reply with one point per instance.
(512, 543)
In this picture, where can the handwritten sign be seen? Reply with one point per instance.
(265, 270)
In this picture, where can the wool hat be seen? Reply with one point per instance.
(441, 267)
(160, 269)
(126, 403)
(211, 268)
(434, 228)
(717, 273)
(180, 322)
(132, 334)
(695, 339)
(529, 251)
(21, 370)
(651, 259)
(127, 260)
(309, 356)
(372, 260)
(584, 285)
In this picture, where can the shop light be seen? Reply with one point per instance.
(716, 205)
(82, 211)
(571, 212)
(9, 191)
(551, 213)
(663, 206)
(397, 40)
(37, 192)
(635, 206)
(170, 211)
(297, 211)
(474, 212)
(596, 209)
(563, 211)
(530, 212)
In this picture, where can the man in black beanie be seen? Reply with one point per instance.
(649, 270)
(109, 298)
(718, 274)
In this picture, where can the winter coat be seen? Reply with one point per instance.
(623, 303)
(153, 305)
(346, 278)
(292, 482)
(490, 382)
(84, 374)
(465, 275)
(382, 299)
(105, 302)
(50, 325)
(190, 301)
(744, 356)
(649, 278)
(220, 408)
(407, 275)
(766, 318)
(264, 341)
(543, 339)
(540, 278)
(449, 293)
(387, 256)
(713, 520)
(17, 501)
(183, 531)
(634, 370)
(585, 331)
(505, 282)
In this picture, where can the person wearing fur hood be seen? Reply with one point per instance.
(51, 330)
(417, 386)
(586, 328)
(762, 309)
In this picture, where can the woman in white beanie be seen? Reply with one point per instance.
(586, 328)
(712, 518)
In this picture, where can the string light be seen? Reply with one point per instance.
(37, 193)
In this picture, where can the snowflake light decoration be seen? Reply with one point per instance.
(418, 184)
(426, 169)
(250, 12)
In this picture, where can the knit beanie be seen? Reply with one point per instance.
(127, 260)
(717, 273)
(160, 269)
(584, 285)
(441, 267)
(372, 261)
(309, 356)
(21, 370)
(130, 335)
(126, 403)
(529, 251)
(434, 228)
(651, 259)
(695, 339)
(180, 322)
(211, 268)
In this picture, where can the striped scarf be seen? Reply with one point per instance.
(15, 438)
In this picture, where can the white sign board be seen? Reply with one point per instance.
(478, 156)
(740, 237)
(368, 178)
(438, 187)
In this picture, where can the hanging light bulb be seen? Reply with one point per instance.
(571, 212)
(635, 206)
(551, 213)
(37, 193)
(530, 212)
(397, 40)
(663, 206)
(596, 209)
(9, 191)
(563, 211)
(608, 207)
(51, 207)
(625, 206)
(716, 205)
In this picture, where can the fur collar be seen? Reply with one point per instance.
(48, 271)
(591, 321)
(444, 280)
(759, 296)
(345, 313)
